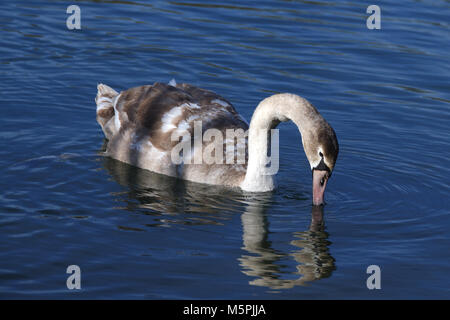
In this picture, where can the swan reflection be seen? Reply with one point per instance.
(262, 261)
(175, 201)
(180, 202)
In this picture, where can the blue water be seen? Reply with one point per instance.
(135, 234)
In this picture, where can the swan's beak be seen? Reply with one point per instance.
(319, 184)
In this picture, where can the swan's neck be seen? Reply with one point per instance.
(261, 167)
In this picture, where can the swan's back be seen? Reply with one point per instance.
(141, 123)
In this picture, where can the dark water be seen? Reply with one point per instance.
(135, 234)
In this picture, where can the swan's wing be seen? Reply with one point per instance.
(214, 106)
(145, 124)
(152, 120)
(161, 110)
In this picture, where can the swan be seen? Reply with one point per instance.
(140, 123)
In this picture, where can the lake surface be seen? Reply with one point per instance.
(136, 234)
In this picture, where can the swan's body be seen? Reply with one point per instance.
(140, 124)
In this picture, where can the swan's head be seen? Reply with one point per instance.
(321, 149)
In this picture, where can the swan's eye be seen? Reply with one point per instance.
(322, 181)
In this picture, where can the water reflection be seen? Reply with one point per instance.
(170, 200)
(313, 257)
(173, 201)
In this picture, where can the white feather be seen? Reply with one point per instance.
(221, 102)
(169, 117)
(116, 114)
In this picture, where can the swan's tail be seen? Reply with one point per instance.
(105, 100)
